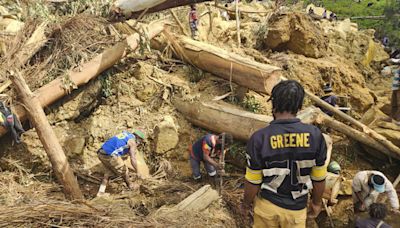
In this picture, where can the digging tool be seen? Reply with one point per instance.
(222, 162)
(328, 213)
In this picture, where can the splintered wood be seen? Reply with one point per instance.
(199, 200)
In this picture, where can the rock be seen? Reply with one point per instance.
(166, 134)
(74, 146)
(79, 103)
(11, 26)
(297, 33)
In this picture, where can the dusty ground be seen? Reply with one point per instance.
(137, 93)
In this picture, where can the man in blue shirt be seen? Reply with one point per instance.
(112, 151)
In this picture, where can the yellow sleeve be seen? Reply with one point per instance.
(318, 173)
(253, 176)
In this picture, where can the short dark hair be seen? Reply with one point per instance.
(287, 96)
(377, 211)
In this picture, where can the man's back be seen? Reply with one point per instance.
(287, 150)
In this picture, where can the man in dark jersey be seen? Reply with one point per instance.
(285, 161)
(111, 153)
(206, 149)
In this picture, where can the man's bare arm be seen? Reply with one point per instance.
(132, 153)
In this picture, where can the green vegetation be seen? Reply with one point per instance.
(251, 104)
(352, 8)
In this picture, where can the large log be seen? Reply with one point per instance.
(222, 117)
(256, 76)
(132, 9)
(390, 149)
(52, 146)
(230, 66)
(55, 90)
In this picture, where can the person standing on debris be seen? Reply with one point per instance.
(324, 14)
(377, 213)
(329, 97)
(206, 149)
(284, 161)
(367, 185)
(310, 11)
(385, 41)
(11, 122)
(395, 101)
(111, 153)
(193, 22)
(224, 13)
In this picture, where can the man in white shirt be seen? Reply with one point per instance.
(367, 185)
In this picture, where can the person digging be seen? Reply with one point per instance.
(206, 149)
(368, 185)
(111, 155)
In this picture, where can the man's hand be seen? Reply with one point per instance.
(314, 210)
(395, 211)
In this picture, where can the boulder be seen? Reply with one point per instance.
(297, 33)
(166, 135)
(74, 146)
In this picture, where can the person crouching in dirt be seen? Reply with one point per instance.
(10, 121)
(205, 150)
(377, 213)
(193, 22)
(368, 185)
(111, 153)
(329, 97)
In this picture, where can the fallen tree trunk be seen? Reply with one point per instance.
(221, 117)
(55, 90)
(256, 76)
(133, 9)
(230, 66)
(390, 149)
(51, 145)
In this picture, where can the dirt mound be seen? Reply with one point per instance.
(297, 33)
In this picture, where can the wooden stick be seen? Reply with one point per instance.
(178, 22)
(328, 213)
(378, 137)
(222, 162)
(218, 98)
(237, 22)
(396, 182)
(5, 86)
(50, 142)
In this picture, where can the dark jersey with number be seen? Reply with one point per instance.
(284, 158)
